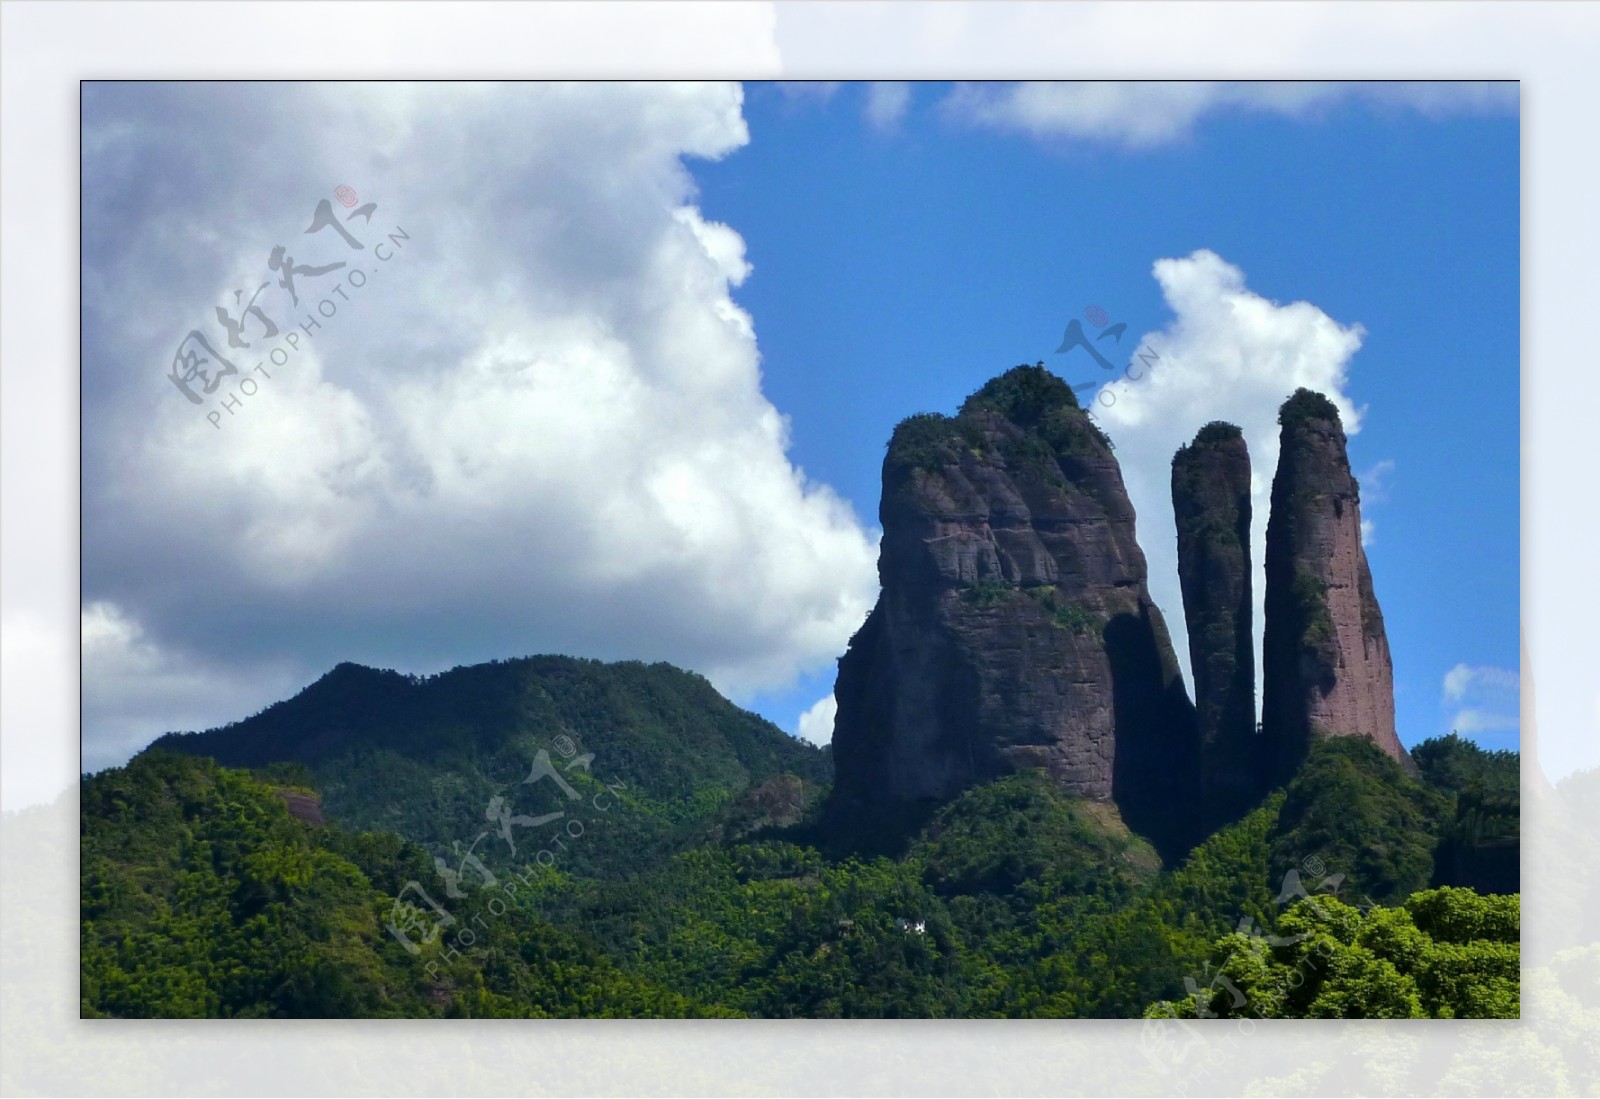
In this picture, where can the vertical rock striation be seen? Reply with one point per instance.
(1014, 629)
(1326, 666)
(1211, 504)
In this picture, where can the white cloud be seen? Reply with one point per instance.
(1228, 354)
(1374, 482)
(1466, 677)
(540, 428)
(816, 724)
(1485, 699)
(1467, 722)
(1374, 487)
(1147, 114)
(819, 92)
(887, 103)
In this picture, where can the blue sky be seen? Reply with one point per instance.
(896, 268)
(624, 388)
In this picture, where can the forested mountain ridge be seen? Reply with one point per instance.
(425, 757)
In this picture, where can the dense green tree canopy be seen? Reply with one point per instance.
(713, 886)
(1448, 953)
(1353, 807)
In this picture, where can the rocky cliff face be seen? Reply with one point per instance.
(1014, 629)
(1326, 666)
(1211, 503)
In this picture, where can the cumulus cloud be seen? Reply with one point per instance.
(887, 103)
(816, 724)
(538, 426)
(1152, 113)
(1228, 354)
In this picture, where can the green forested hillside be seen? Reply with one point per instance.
(1354, 808)
(424, 757)
(203, 897)
(1480, 846)
(562, 837)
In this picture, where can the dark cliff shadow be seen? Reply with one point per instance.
(856, 826)
(1155, 773)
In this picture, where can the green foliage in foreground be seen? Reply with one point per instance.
(987, 915)
(1448, 953)
(202, 896)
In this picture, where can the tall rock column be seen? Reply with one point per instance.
(1326, 666)
(1014, 629)
(1211, 503)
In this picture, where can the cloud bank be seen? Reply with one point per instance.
(538, 426)
(1143, 115)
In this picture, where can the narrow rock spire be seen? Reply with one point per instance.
(1211, 503)
(1326, 665)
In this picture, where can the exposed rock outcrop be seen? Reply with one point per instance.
(1326, 665)
(302, 805)
(1211, 504)
(1014, 629)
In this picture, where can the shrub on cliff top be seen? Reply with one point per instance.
(1218, 431)
(1024, 395)
(1306, 405)
(922, 441)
